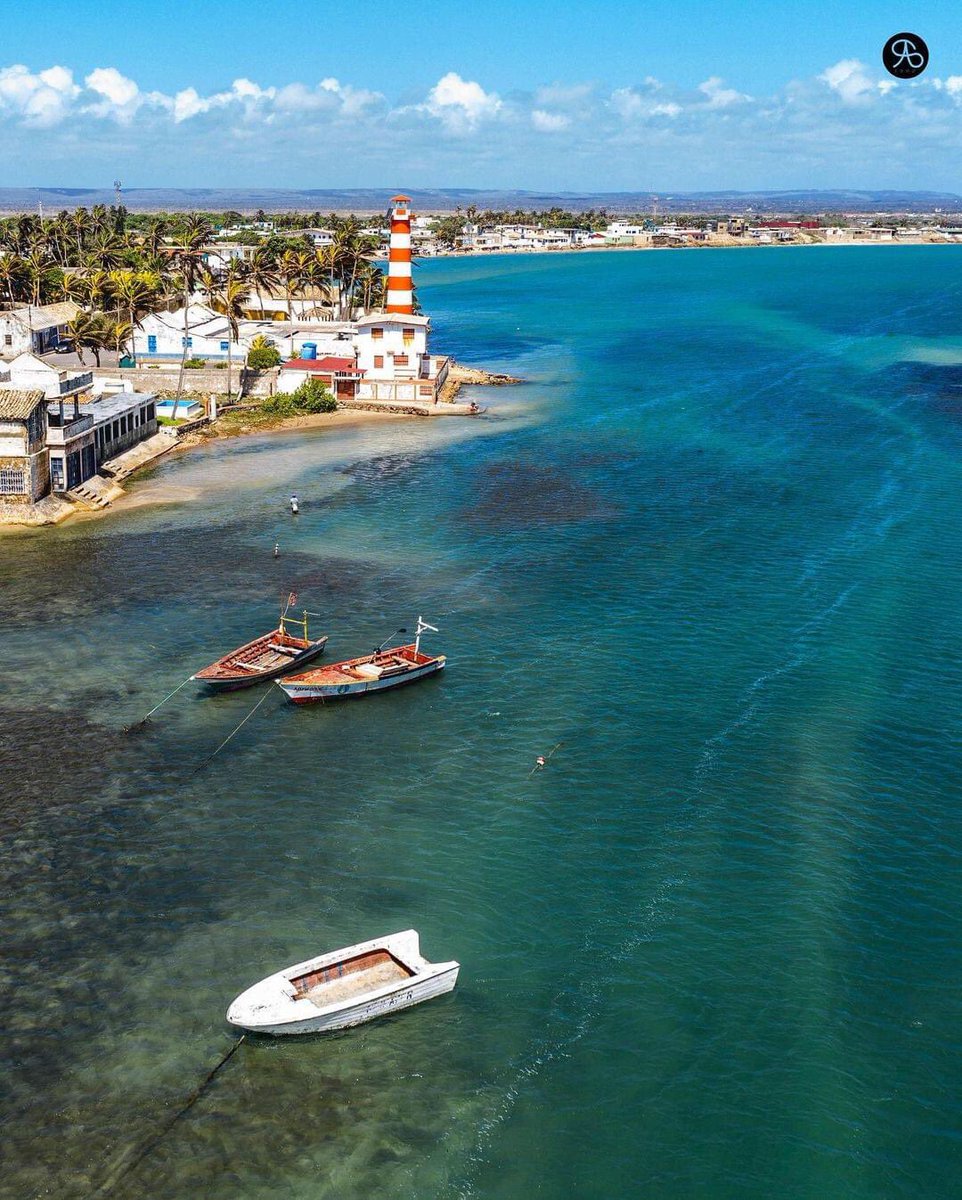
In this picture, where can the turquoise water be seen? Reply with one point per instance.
(709, 555)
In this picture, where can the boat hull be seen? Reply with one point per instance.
(342, 988)
(364, 1009)
(250, 679)
(313, 693)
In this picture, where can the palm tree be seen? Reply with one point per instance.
(135, 293)
(76, 331)
(109, 251)
(80, 222)
(118, 332)
(37, 268)
(100, 289)
(154, 233)
(13, 273)
(75, 286)
(370, 280)
(358, 251)
(263, 274)
(230, 298)
(294, 265)
(189, 257)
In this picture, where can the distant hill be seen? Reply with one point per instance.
(369, 200)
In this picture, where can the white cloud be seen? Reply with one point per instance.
(848, 125)
(632, 104)
(187, 104)
(548, 122)
(461, 104)
(120, 97)
(559, 96)
(850, 79)
(718, 95)
(43, 99)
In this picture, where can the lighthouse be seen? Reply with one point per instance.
(400, 288)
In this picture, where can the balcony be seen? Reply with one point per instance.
(69, 385)
(59, 433)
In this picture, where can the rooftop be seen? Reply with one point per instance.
(324, 365)
(45, 316)
(388, 318)
(116, 405)
(16, 404)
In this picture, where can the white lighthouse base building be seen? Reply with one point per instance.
(393, 360)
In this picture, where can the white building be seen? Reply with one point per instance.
(626, 233)
(220, 255)
(160, 336)
(24, 469)
(393, 358)
(35, 329)
(28, 371)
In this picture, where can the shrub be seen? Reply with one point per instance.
(280, 405)
(195, 363)
(262, 357)
(310, 397)
(313, 397)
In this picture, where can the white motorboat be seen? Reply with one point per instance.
(343, 988)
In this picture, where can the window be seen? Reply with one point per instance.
(225, 345)
(12, 482)
(188, 342)
(379, 360)
(151, 412)
(408, 335)
(8, 339)
(377, 333)
(151, 343)
(400, 360)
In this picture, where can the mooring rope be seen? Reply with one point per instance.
(132, 1158)
(143, 721)
(236, 729)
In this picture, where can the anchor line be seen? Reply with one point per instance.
(128, 1163)
(144, 720)
(237, 728)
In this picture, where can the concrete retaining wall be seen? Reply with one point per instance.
(203, 380)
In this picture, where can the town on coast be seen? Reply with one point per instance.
(118, 344)
(125, 335)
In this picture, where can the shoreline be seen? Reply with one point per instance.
(732, 244)
(54, 510)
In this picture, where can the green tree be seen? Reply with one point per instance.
(263, 354)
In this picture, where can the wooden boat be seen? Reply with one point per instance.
(265, 657)
(375, 672)
(343, 988)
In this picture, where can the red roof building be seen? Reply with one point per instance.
(339, 375)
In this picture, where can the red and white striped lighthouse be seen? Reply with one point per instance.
(400, 287)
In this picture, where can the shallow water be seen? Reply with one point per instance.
(708, 555)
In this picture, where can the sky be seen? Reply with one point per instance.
(602, 96)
